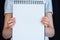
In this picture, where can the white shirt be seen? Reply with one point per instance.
(9, 7)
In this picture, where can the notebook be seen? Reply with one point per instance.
(28, 16)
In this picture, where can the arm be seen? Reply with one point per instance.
(48, 23)
(49, 30)
(7, 31)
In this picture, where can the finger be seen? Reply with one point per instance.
(11, 25)
(45, 18)
(44, 22)
(12, 20)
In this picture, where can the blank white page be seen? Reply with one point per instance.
(28, 22)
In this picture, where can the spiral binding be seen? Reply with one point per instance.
(27, 2)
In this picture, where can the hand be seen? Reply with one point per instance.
(45, 21)
(7, 31)
(11, 22)
(48, 24)
(49, 31)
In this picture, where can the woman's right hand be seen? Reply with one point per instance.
(11, 22)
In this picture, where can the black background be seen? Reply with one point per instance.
(56, 19)
(1, 17)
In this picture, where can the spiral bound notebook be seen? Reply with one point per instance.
(28, 16)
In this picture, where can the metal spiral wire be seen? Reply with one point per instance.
(27, 2)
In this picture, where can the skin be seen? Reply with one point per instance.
(47, 21)
(8, 24)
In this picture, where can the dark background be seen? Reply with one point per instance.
(1, 17)
(56, 18)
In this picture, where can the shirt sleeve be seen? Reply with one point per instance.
(8, 8)
(49, 6)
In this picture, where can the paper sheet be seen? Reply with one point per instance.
(28, 22)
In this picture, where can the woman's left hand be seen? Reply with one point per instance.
(45, 21)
